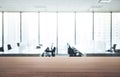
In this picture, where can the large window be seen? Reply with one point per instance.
(48, 25)
(86, 30)
(11, 28)
(116, 29)
(66, 29)
(102, 29)
(29, 30)
(0, 29)
(84, 26)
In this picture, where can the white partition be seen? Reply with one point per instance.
(116, 29)
(48, 28)
(29, 29)
(102, 28)
(92, 47)
(84, 28)
(66, 27)
(11, 29)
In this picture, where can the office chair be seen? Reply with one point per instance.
(1, 49)
(18, 44)
(9, 47)
(73, 52)
(115, 50)
(53, 52)
(112, 49)
(48, 52)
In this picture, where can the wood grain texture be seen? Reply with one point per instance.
(59, 66)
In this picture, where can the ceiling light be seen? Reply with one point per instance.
(104, 1)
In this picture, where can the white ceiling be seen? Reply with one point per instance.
(58, 5)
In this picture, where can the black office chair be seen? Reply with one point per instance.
(48, 52)
(53, 52)
(18, 44)
(1, 49)
(112, 49)
(115, 50)
(73, 52)
(9, 47)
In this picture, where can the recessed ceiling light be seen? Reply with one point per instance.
(104, 1)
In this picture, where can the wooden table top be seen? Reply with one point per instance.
(24, 65)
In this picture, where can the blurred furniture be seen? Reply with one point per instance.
(1, 49)
(49, 52)
(9, 47)
(72, 51)
(113, 49)
(18, 44)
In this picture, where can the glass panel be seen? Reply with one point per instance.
(29, 30)
(11, 28)
(102, 30)
(48, 22)
(116, 29)
(66, 26)
(84, 22)
(0, 29)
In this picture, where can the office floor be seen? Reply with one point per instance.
(60, 66)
